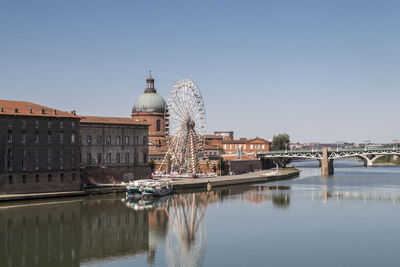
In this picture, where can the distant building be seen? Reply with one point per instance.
(39, 147)
(113, 150)
(150, 108)
(225, 134)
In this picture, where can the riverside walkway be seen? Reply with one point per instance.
(180, 184)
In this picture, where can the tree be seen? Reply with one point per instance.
(280, 142)
(152, 165)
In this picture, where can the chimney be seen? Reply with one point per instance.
(73, 112)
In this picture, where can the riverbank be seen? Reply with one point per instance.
(180, 184)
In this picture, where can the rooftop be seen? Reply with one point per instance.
(112, 120)
(24, 108)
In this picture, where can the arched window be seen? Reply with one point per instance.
(158, 125)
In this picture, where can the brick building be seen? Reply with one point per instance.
(39, 148)
(247, 146)
(150, 108)
(113, 149)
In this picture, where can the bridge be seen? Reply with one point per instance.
(326, 156)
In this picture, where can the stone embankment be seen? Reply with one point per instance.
(180, 184)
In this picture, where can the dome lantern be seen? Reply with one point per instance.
(149, 101)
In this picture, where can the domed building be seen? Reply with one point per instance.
(150, 107)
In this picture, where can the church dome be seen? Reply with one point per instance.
(149, 101)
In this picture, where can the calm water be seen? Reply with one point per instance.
(349, 219)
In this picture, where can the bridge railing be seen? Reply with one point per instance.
(333, 150)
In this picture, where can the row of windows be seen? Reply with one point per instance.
(10, 138)
(36, 124)
(109, 158)
(109, 140)
(244, 146)
(50, 178)
(23, 157)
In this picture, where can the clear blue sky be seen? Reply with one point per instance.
(319, 70)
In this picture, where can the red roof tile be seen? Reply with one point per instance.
(112, 120)
(23, 108)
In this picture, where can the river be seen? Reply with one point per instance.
(349, 219)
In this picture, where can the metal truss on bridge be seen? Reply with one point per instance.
(368, 155)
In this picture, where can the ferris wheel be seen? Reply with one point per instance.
(185, 126)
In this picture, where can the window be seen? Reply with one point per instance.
(49, 124)
(9, 159)
(61, 137)
(10, 136)
(99, 158)
(126, 157)
(49, 137)
(23, 162)
(73, 138)
(36, 137)
(251, 146)
(89, 139)
(224, 146)
(49, 158)
(108, 140)
(23, 137)
(10, 124)
(36, 124)
(49, 178)
(24, 179)
(73, 176)
(263, 146)
(89, 158)
(118, 158)
(126, 140)
(145, 140)
(99, 139)
(108, 158)
(135, 157)
(61, 124)
(61, 158)
(10, 179)
(118, 140)
(136, 140)
(23, 123)
(37, 178)
(36, 153)
(62, 177)
(73, 125)
(73, 158)
(158, 125)
(144, 157)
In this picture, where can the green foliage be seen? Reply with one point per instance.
(152, 165)
(223, 166)
(281, 142)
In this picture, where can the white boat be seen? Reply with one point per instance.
(149, 187)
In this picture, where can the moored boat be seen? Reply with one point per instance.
(148, 187)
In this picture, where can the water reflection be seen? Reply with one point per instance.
(166, 231)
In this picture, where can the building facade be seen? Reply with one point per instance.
(150, 108)
(39, 149)
(113, 150)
